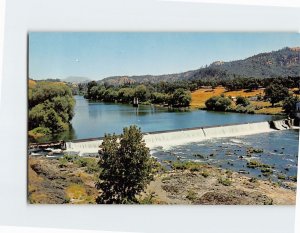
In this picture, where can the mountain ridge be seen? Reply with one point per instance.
(284, 62)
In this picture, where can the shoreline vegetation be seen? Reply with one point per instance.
(51, 103)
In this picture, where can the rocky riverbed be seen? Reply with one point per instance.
(72, 180)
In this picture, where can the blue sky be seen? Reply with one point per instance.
(97, 55)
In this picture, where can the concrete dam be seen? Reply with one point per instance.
(169, 138)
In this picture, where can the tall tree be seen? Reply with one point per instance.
(276, 92)
(126, 167)
(289, 105)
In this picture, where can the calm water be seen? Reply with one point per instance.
(94, 119)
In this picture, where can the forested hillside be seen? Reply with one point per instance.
(283, 63)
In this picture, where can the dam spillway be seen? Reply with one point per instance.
(167, 139)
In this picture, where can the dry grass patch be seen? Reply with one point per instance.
(245, 93)
(200, 96)
(31, 83)
(78, 195)
(270, 110)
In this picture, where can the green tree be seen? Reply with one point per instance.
(276, 92)
(126, 167)
(218, 103)
(141, 93)
(289, 105)
(243, 101)
(181, 98)
(51, 107)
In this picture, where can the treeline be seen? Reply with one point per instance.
(50, 106)
(169, 94)
(213, 78)
(237, 82)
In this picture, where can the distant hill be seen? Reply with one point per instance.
(284, 62)
(76, 79)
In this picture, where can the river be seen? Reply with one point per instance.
(94, 119)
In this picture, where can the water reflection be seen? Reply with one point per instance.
(94, 119)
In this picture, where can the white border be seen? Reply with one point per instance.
(117, 15)
(277, 3)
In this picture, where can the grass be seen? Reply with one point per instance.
(261, 107)
(200, 96)
(77, 194)
(281, 176)
(191, 195)
(189, 165)
(31, 83)
(205, 173)
(224, 181)
(266, 171)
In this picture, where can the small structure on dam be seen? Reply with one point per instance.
(135, 102)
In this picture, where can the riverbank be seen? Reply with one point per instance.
(67, 180)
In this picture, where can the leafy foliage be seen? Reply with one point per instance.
(181, 98)
(51, 107)
(276, 92)
(289, 105)
(126, 167)
(243, 101)
(218, 103)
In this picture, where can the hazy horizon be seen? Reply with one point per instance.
(98, 55)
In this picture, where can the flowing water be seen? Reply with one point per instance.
(277, 148)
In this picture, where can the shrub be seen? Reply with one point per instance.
(205, 173)
(191, 195)
(189, 165)
(218, 103)
(243, 101)
(253, 180)
(224, 181)
(266, 171)
(281, 176)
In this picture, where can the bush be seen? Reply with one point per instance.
(248, 109)
(181, 98)
(224, 181)
(243, 101)
(218, 103)
(281, 176)
(205, 173)
(189, 165)
(39, 132)
(191, 195)
(266, 171)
